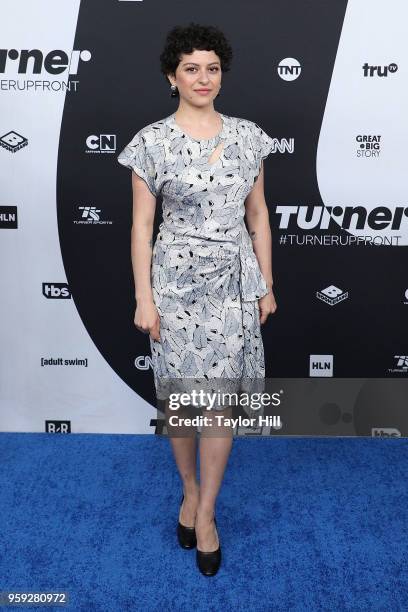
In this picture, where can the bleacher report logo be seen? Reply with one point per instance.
(332, 295)
(104, 143)
(13, 142)
(321, 365)
(56, 291)
(380, 71)
(52, 426)
(289, 69)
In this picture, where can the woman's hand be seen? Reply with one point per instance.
(267, 306)
(147, 319)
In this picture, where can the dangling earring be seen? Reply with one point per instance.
(173, 91)
(218, 93)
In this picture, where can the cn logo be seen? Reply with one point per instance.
(104, 143)
(289, 69)
(381, 71)
(321, 365)
(332, 295)
(143, 362)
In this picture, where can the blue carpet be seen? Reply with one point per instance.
(304, 523)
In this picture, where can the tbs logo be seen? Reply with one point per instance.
(56, 291)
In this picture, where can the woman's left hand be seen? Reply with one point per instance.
(267, 306)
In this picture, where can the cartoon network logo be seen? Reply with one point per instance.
(102, 143)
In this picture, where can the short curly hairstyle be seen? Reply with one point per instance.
(185, 39)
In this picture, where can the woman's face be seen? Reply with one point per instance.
(200, 70)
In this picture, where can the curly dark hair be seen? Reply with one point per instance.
(185, 39)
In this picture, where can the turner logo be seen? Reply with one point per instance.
(385, 432)
(104, 143)
(8, 217)
(12, 141)
(347, 217)
(321, 365)
(56, 291)
(90, 216)
(35, 61)
(332, 295)
(289, 69)
(369, 145)
(381, 71)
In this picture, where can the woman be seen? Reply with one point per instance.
(204, 288)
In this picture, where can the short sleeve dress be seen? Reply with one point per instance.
(206, 279)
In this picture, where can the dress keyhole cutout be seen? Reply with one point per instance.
(215, 155)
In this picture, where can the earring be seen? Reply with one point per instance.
(173, 91)
(218, 93)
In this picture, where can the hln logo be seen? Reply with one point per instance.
(58, 427)
(321, 365)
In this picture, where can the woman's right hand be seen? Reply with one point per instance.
(147, 319)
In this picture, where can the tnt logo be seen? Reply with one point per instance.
(321, 365)
(63, 427)
(289, 69)
(13, 142)
(332, 295)
(56, 291)
(381, 71)
(104, 143)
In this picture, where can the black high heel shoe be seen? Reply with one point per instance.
(209, 562)
(186, 535)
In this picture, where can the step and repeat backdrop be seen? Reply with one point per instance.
(327, 81)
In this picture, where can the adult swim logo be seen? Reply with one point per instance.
(379, 71)
(382, 225)
(289, 69)
(368, 145)
(30, 62)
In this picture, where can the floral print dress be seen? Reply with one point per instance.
(206, 279)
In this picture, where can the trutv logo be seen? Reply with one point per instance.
(381, 71)
(35, 61)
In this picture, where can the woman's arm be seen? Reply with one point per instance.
(257, 216)
(144, 206)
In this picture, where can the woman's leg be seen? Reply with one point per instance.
(184, 444)
(215, 447)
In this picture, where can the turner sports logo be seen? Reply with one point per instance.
(381, 71)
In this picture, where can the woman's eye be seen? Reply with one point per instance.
(214, 68)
